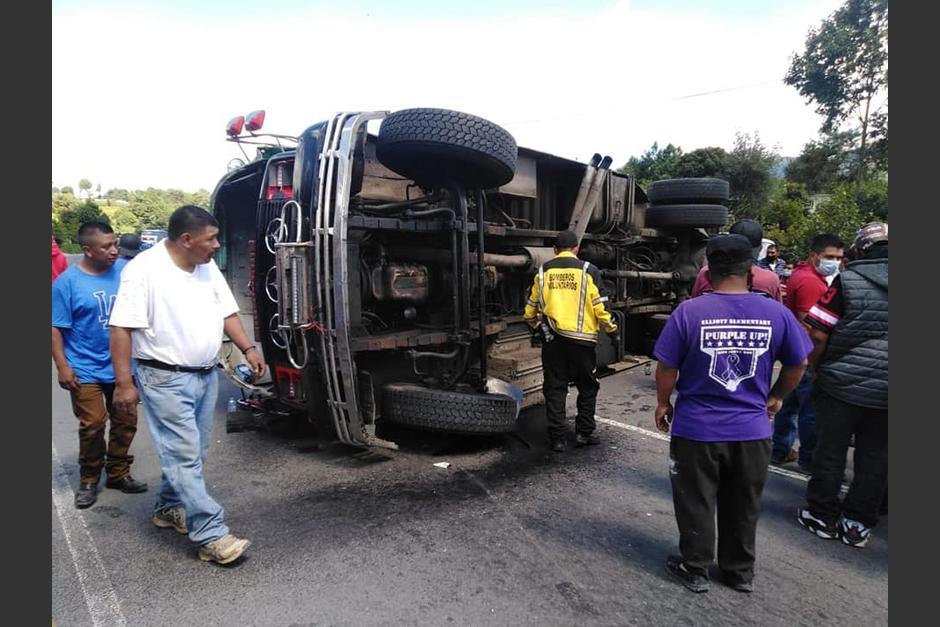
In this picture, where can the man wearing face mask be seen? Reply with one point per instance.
(804, 288)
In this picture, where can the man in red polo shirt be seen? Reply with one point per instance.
(804, 288)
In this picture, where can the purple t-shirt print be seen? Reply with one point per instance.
(735, 346)
(725, 346)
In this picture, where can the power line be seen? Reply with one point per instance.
(718, 91)
(687, 96)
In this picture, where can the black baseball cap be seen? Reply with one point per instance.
(725, 249)
(566, 239)
(129, 244)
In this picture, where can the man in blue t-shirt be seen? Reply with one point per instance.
(722, 347)
(81, 305)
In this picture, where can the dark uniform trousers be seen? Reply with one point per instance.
(723, 478)
(565, 361)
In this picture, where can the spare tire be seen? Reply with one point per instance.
(689, 191)
(448, 411)
(433, 146)
(686, 215)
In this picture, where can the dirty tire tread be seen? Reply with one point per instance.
(432, 145)
(447, 411)
(686, 216)
(689, 191)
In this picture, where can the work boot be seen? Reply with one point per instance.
(128, 485)
(559, 446)
(86, 496)
(225, 550)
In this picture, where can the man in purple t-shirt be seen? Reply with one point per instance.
(721, 347)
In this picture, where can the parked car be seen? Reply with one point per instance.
(386, 274)
(149, 237)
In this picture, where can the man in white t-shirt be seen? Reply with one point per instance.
(172, 308)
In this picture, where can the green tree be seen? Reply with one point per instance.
(783, 215)
(652, 165)
(844, 67)
(68, 190)
(842, 215)
(200, 198)
(150, 208)
(118, 194)
(61, 202)
(878, 150)
(174, 197)
(748, 167)
(65, 227)
(703, 162)
(872, 199)
(123, 220)
(85, 186)
(823, 162)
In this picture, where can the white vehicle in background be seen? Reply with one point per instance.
(149, 237)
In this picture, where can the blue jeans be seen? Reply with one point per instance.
(797, 416)
(179, 407)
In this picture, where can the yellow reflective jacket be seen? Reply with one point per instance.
(565, 294)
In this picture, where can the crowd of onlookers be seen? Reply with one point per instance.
(131, 327)
(830, 394)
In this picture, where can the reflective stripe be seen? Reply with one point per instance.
(602, 299)
(583, 296)
(578, 336)
(542, 287)
(532, 303)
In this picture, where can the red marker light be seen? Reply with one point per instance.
(234, 126)
(255, 120)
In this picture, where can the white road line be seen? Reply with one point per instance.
(100, 597)
(665, 438)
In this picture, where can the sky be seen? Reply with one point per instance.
(142, 90)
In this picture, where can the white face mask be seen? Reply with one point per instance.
(828, 267)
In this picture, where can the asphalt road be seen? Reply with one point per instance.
(509, 534)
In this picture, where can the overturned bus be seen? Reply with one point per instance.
(385, 260)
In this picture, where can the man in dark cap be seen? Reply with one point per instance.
(566, 310)
(849, 327)
(129, 245)
(762, 280)
(724, 344)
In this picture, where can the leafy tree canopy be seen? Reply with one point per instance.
(844, 67)
(653, 165)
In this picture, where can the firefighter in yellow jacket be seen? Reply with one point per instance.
(566, 310)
